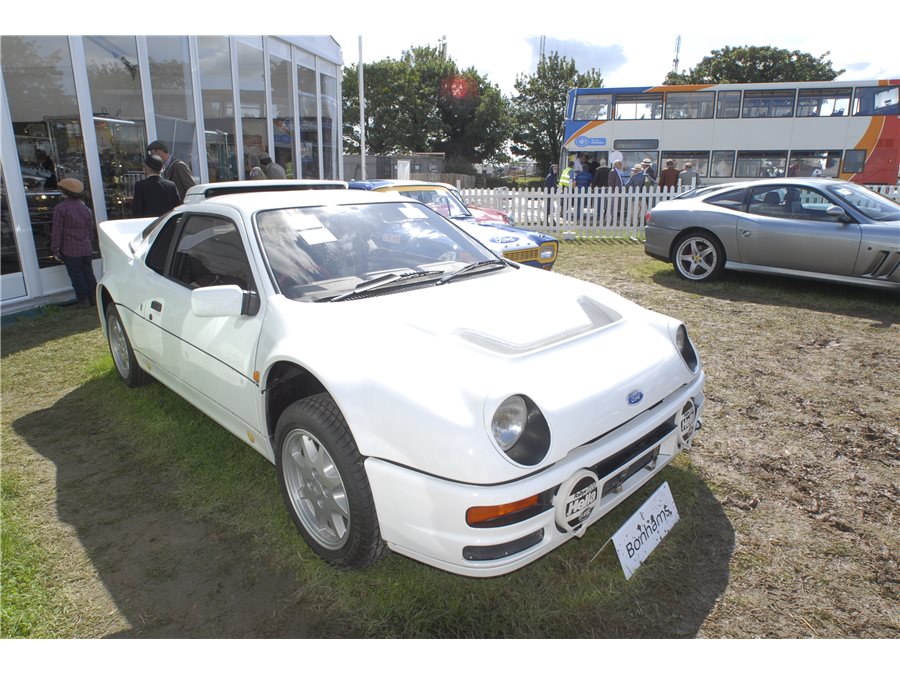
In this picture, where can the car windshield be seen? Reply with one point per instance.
(437, 198)
(323, 252)
(871, 204)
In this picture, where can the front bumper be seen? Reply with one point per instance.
(424, 517)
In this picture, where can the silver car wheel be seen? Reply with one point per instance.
(696, 258)
(315, 489)
(118, 345)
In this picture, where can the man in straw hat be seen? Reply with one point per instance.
(72, 240)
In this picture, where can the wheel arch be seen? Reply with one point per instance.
(286, 383)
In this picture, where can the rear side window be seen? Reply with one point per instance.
(159, 250)
(733, 199)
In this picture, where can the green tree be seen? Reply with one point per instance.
(539, 107)
(424, 103)
(757, 64)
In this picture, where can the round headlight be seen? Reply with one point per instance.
(520, 431)
(509, 422)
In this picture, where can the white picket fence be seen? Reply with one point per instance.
(590, 213)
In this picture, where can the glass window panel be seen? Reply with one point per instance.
(769, 103)
(823, 102)
(823, 163)
(592, 107)
(639, 106)
(728, 105)
(698, 158)
(282, 113)
(173, 97)
(722, 165)
(210, 253)
(309, 128)
(854, 161)
(218, 106)
(252, 84)
(9, 251)
(632, 157)
(329, 126)
(115, 82)
(694, 105)
(876, 101)
(767, 164)
(40, 88)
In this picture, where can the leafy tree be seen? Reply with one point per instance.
(757, 64)
(423, 103)
(539, 107)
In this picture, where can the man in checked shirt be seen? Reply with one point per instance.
(72, 240)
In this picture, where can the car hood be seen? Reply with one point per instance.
(499, 237)
(447, 356)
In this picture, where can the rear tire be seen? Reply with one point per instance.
(120, 348)
(324, 484)
(698, 256)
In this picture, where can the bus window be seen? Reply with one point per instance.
(690, 105)
(752, 164)
(592, 106)
(854, 161)
(876, 101)
(729, 105)
(769, 103)
(824, 163)
(698, 158)
(722, 164)
(823, 102)
(639, 106)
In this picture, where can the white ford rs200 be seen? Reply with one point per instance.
(414, 391)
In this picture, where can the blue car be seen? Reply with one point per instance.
(521, 246)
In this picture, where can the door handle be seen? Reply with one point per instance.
(156, 306)
(746, 233)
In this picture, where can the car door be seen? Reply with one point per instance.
(786, 226)
(213, 357)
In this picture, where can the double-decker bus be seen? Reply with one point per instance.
(848, 130)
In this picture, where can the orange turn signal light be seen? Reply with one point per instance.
(478, 515)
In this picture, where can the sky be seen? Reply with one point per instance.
(631, 42)
(634, 44)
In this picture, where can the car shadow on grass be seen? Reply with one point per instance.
(47, 324)
(881, 306)
(175, 572)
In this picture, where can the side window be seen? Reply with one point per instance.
(733, 199)
(808, 204)
(210, 252)
(159, 250)
(768, 201)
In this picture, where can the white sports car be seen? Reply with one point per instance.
(393, 370)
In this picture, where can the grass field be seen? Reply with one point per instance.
(129, 513)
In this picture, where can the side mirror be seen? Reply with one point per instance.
(838, 213)
(217, 301)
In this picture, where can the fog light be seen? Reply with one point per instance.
(687, 423)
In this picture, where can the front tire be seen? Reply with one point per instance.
(120, 348)
(324, 484)
(698, 256)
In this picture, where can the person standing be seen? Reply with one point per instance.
(647, 168)
(154, 195)
(72, 241)
(274, 171)
(551, 181)
(668, 177)
(601, 175)
(616, 175)
(689, 178)
(175, 170)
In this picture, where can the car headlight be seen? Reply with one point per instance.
(686, 348)
(547, 251)
(520, 430)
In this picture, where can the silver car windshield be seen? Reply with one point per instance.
(867, 202)
(318, 253)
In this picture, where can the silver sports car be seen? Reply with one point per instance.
(817, 228)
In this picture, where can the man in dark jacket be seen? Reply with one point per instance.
(154, 195)
(174, 169)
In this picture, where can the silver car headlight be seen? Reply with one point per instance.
(547, 251)
(520, 430)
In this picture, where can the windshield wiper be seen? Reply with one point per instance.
(379, 282)
(475, 266)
